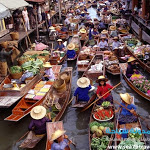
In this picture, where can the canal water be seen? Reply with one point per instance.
(75, 122)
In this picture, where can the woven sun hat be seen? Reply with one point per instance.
(112, 28)
(83, 82)
(103, 37)
(82, 30)
(104, 32)
(115, 38)
(57, 134)
(38, 112)
(131, 59)
(47, 65)
(52, 28)
(82, 12)
(71, 46)
(101, 78)
(59, 40)
(126, 97)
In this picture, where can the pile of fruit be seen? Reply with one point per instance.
(106, 104)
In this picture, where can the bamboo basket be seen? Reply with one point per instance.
(83, 57)
(65, 76)
(60, 85)
(14, 35)
(16, 75)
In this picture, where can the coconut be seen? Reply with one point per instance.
(106, 130)
(94, 128)
(99, 133)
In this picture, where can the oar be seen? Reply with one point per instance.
(100, 97)
(144, 119)
(71, 100)
(23, 136)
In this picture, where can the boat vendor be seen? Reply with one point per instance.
(131, 69)
(95, 33)
(49, 75)
(104, 33)
(60, 46)
(83, 36)
(83, 89)
(71, 53)
(60, 141)
(113, 31)
(125, 115)
(38, 123)
(102, 88)
(116, 43)
(3, 60)
(103, 43)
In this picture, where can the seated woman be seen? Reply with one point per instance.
(83, 36)
(71, 53)
(60, 46)
(95, 33)
(131, 69)
(125, 115)
(38, 123)
(102, 88)
(103, 43)
(60, 141)
(83, 89)
(116, 43)
(113, 31)
(49, 75)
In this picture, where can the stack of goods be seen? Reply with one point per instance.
(75, 40)
(132, 43)
(39, 91)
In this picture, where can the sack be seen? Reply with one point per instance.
(14, 55)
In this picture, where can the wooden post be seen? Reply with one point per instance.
(143, 8)
(37, 30)
(140, 32)
(59, 8)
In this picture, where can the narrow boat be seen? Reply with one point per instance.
(57, 60)
(123, 67)
(34, 97)
(128, 127)
(62, 100)
(102, 125)
(51, 128)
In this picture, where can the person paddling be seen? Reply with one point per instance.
(71, 53)
(102, 88)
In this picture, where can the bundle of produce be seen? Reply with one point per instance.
(136, 134)
(33, 66)
(16, 72)
(106, 104)
(97, 67)
(114, 68)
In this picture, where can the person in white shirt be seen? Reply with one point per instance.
(26, 18)
(116, 43)
(39, 14)
(103, 43)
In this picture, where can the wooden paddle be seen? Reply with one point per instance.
(144, 119)
(100, 98)
(71, 100)
(23, 136)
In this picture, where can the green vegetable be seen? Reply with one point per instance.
(34, 56)
(106, 104)
(15, 69)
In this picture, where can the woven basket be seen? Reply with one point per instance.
(16, 75)
(14, 35)
(20, 62)
(83, 57)
(60, 85)
(4, 44)
(65, 76)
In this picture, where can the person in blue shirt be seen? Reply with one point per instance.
(60, 141)
(60, 46)
(125, 115)
(71, 53)
(83, 89)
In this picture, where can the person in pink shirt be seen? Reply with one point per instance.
(102, 88)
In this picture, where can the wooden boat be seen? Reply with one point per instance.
(128, 127)
(57, 60)
(109, 121)
(62, 99)
(25, 105)
(123, 67)
(51, 128)
(1, 79)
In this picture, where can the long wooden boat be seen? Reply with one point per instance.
(63, 99)
(25, 105)
(123, 67)
(51, 128)
(92, 119)
(1, 79)
(57, 60)
(128, 127)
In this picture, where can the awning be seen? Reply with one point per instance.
(14, 4)
(37, 1)
(4, 12)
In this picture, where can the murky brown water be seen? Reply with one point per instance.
(75, 123)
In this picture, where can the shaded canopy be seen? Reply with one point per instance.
(37, 1)
(4, 12)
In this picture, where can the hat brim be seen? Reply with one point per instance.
(98, 80)
(125, 100)
(83, 85)
(71, 48)
(58, 136)
(131, 60)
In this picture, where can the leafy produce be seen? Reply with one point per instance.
(15, 69)
(130, 144)
(106, 104)
(33, 66)
(45, 53)
(136, 135)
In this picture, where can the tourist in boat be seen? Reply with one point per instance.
(113, 31)
(95, 33)
(125, 115)
(104, 33)
(60, 46)
(60, 141)
(102, 88)
(83, 36)
(49, 75)
(116, 43)
(71, 53)
(131, 69)
(83, 89)
(38, 123)
(103, 43)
